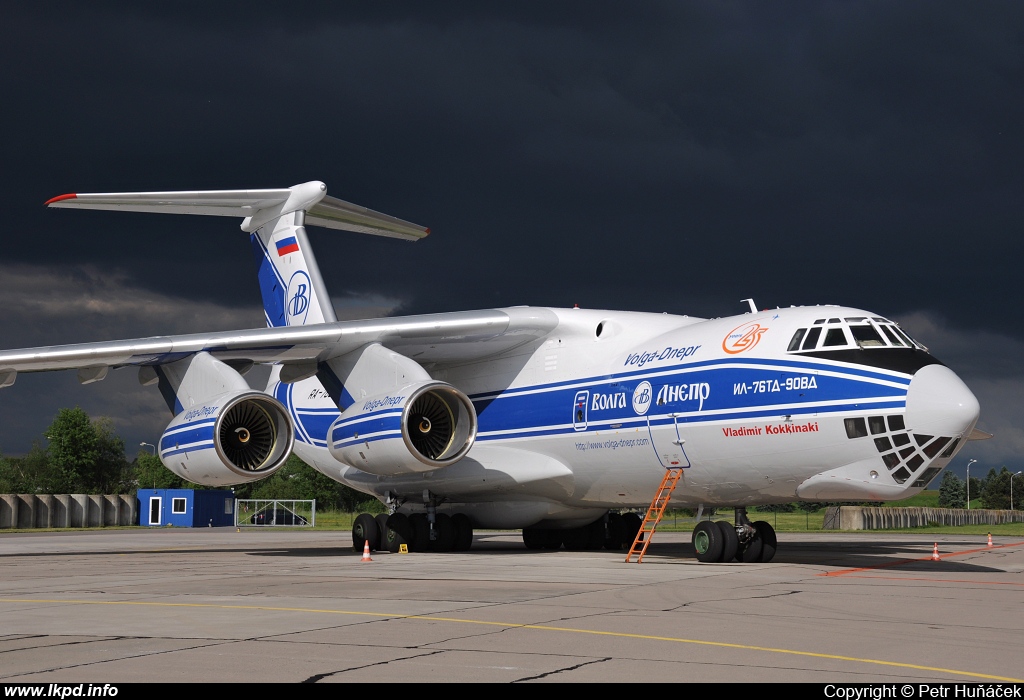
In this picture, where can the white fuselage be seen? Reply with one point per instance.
(590, 417)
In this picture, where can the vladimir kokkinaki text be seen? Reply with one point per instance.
(923, 690)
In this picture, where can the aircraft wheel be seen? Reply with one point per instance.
(463, 532)
(633, 523)
(420, 540)
(769, 542)
(364, 529)
(616, 532)
(534, 538)
(553, 539)
(707, 541)
(595, 535)
(399, 532)
(730, 540)
(576, 539)
(750, 552)
(382, 528)
(445, 531)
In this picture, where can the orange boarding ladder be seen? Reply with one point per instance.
(654, 513)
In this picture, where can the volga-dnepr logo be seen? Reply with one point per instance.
(642, 398)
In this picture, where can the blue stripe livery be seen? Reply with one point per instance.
(271, 287)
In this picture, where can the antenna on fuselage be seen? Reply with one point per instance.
(753, 306)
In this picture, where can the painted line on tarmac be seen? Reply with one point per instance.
(514, 625)
(938, 580)
(901, 562)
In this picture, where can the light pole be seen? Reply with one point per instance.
(969, 482)
(1011, 488)
(148, 444)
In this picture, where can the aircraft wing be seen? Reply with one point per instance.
(432, 338)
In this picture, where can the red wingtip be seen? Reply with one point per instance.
(426, 231)
(61, 198)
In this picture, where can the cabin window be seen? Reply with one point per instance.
(926, 476)
(914, 462)
(933, 449)
(901, 476)
(901, 439)
(896, 423)
(951, 449)
(856, 428)
(891, 461)
(877, 424)
(883, 444)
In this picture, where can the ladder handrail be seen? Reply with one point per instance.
(654, 513)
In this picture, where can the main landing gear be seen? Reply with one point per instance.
(745, 541)
(452, 533)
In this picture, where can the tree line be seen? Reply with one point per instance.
(993, 491)
(85, 455)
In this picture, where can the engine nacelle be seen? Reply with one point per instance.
(233, 438)
(417, 428)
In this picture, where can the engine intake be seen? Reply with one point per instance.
(231, 439)
(417, 428)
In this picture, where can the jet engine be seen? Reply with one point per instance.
(416, 428)
(230, 439)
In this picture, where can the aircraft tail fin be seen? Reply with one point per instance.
(293, 290)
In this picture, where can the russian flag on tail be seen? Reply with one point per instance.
(287, 245)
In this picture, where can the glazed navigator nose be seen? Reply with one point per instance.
(939, 403)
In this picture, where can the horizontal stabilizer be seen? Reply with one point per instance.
(321, 210)
(979, 435)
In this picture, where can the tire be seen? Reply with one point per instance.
(420, 540)
(445, 541)
(730, 540)
(552, 539)
(463, 532)
(399, 532)
(750, 553)
(769, 542)
(595, 535)
(707, 542)
(364, 529)
(576, 539)
(633, 523)
(382, 529)
(616, 532)
(534, 538)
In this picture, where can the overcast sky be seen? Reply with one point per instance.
(647, 156)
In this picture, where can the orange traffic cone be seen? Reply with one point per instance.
(935, 552)
(366, 552)
(990, 539)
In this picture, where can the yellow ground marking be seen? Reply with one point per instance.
(514, 625)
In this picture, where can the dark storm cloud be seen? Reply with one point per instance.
(666, 156)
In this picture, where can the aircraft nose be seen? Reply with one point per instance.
(939, 403)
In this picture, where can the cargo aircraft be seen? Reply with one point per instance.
(561, 422)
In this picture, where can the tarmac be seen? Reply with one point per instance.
(292, 605)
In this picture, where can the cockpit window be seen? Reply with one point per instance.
(812, 339)
(794, 344)
(866, 336)
(893, 338)
(835, 338)
(855, 332)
